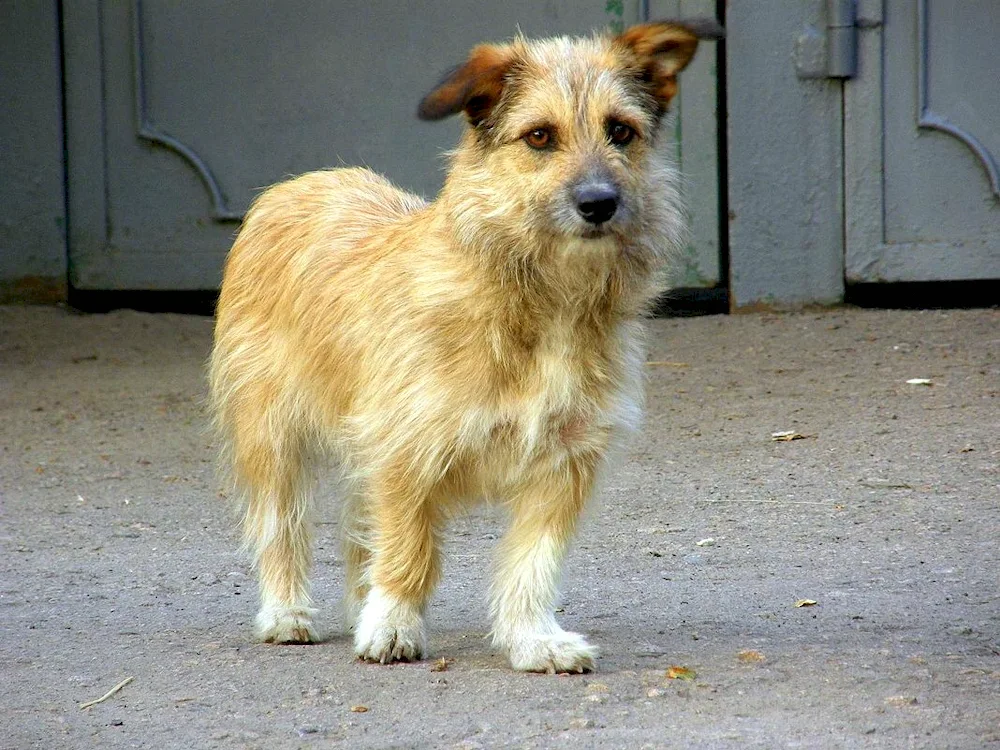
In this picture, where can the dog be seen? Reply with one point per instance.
(487, 345)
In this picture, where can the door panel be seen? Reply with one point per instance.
(180, 111)
(922, 142)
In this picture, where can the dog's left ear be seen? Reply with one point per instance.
(664, 49)
(473, 87)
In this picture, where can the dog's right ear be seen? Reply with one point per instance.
(474, 87)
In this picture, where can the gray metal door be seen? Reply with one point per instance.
(922, 143)
(180, 111)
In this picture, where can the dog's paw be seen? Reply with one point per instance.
(286, 625)
(554, 653)
(387, 643)
(388, 631)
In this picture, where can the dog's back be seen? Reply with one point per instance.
(301, 240)
(313, 224)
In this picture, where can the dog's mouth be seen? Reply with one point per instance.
(595, 233)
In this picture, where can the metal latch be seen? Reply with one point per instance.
(831, 50)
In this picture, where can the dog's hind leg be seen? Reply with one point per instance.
(544, 517)
(273, 473)
(405, 566)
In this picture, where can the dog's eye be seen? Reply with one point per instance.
(538, 138)
(620, 134)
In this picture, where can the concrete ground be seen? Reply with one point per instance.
(119, 556)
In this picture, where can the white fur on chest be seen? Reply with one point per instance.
(553, 413)
(553, 394)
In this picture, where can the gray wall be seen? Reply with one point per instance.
(786, 137)
(33, 214)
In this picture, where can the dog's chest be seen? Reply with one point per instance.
(568, 399)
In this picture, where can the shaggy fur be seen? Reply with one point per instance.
(485, 345)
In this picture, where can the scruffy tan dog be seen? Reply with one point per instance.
(487, 345)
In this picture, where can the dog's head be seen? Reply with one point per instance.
(561, 131)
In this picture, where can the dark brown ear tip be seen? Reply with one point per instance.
(703, 28)
(444, 99)
(429, 110)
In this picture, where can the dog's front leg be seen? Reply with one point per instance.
(405, 566)
(544, 517)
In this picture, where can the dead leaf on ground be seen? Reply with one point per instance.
(680, 673)
(806, 603)
(359, 709)
(750, 656)
(441, 665)
(786, 436)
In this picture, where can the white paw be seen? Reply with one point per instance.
(388, 630)
(286, 625)
(554, 652)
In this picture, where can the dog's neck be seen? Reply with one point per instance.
(564, 277)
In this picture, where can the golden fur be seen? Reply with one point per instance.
(485, 345)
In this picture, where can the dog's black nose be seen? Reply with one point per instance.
(597, 203)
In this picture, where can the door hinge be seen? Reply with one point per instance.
(830, 49)
(841, 39)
